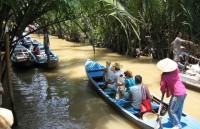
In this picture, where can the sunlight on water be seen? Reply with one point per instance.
(114, 122)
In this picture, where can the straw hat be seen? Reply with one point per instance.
(7, 115)
(108, 63)
(117, 65)
(167, 65)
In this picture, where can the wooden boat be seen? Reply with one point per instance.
(191, 81)
(22, 57)
(42, 61)
(94, 72)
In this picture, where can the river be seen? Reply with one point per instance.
(62, 98)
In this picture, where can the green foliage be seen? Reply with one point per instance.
(115, 22)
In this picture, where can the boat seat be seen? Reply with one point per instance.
(132, 110)
(123, 102)
(154, 105)
(135, 111)
(100, 83)
(109, 91)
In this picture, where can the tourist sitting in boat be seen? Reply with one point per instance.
(136, 93)
(120, 87)
(128, 82)
(36, 49)
(108, 73)
(117, 73)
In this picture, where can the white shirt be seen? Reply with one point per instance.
(177, 45)
(117, 74)
(109, 74)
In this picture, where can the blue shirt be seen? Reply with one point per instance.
(129, 82)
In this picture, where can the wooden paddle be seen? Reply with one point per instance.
(158, 120)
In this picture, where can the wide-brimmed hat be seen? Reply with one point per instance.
(117, 65)
(7, 115)
(167, 65)
(108, 62)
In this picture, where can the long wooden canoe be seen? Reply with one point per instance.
(94, 72)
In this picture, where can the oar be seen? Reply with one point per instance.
(158, 120)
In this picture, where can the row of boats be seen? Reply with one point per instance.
(147, 120)
(23, 57)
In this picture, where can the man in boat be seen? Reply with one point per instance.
(36, 49)
(46, 43)
(177, 46)
(136, 94)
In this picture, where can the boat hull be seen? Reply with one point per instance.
(22, 57)
(95, 75)
(191, 82)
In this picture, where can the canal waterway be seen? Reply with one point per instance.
(62, 98)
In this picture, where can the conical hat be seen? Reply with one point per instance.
(167, 65)
(7, 115)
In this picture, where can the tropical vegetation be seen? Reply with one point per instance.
(121, 25)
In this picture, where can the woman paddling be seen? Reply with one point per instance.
(172, 85)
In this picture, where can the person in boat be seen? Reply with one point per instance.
(108, 73)
(116, 76)
(177, 46)
(120, 87)
(128, 82)
(46, 43)
(173, 86)
(183, 55)
(136, 93)
(36, 49)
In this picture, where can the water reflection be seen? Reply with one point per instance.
(37, 103)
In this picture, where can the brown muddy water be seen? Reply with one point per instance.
(62, 98)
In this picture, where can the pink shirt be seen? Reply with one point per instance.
(171, 83)
(36, 50)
